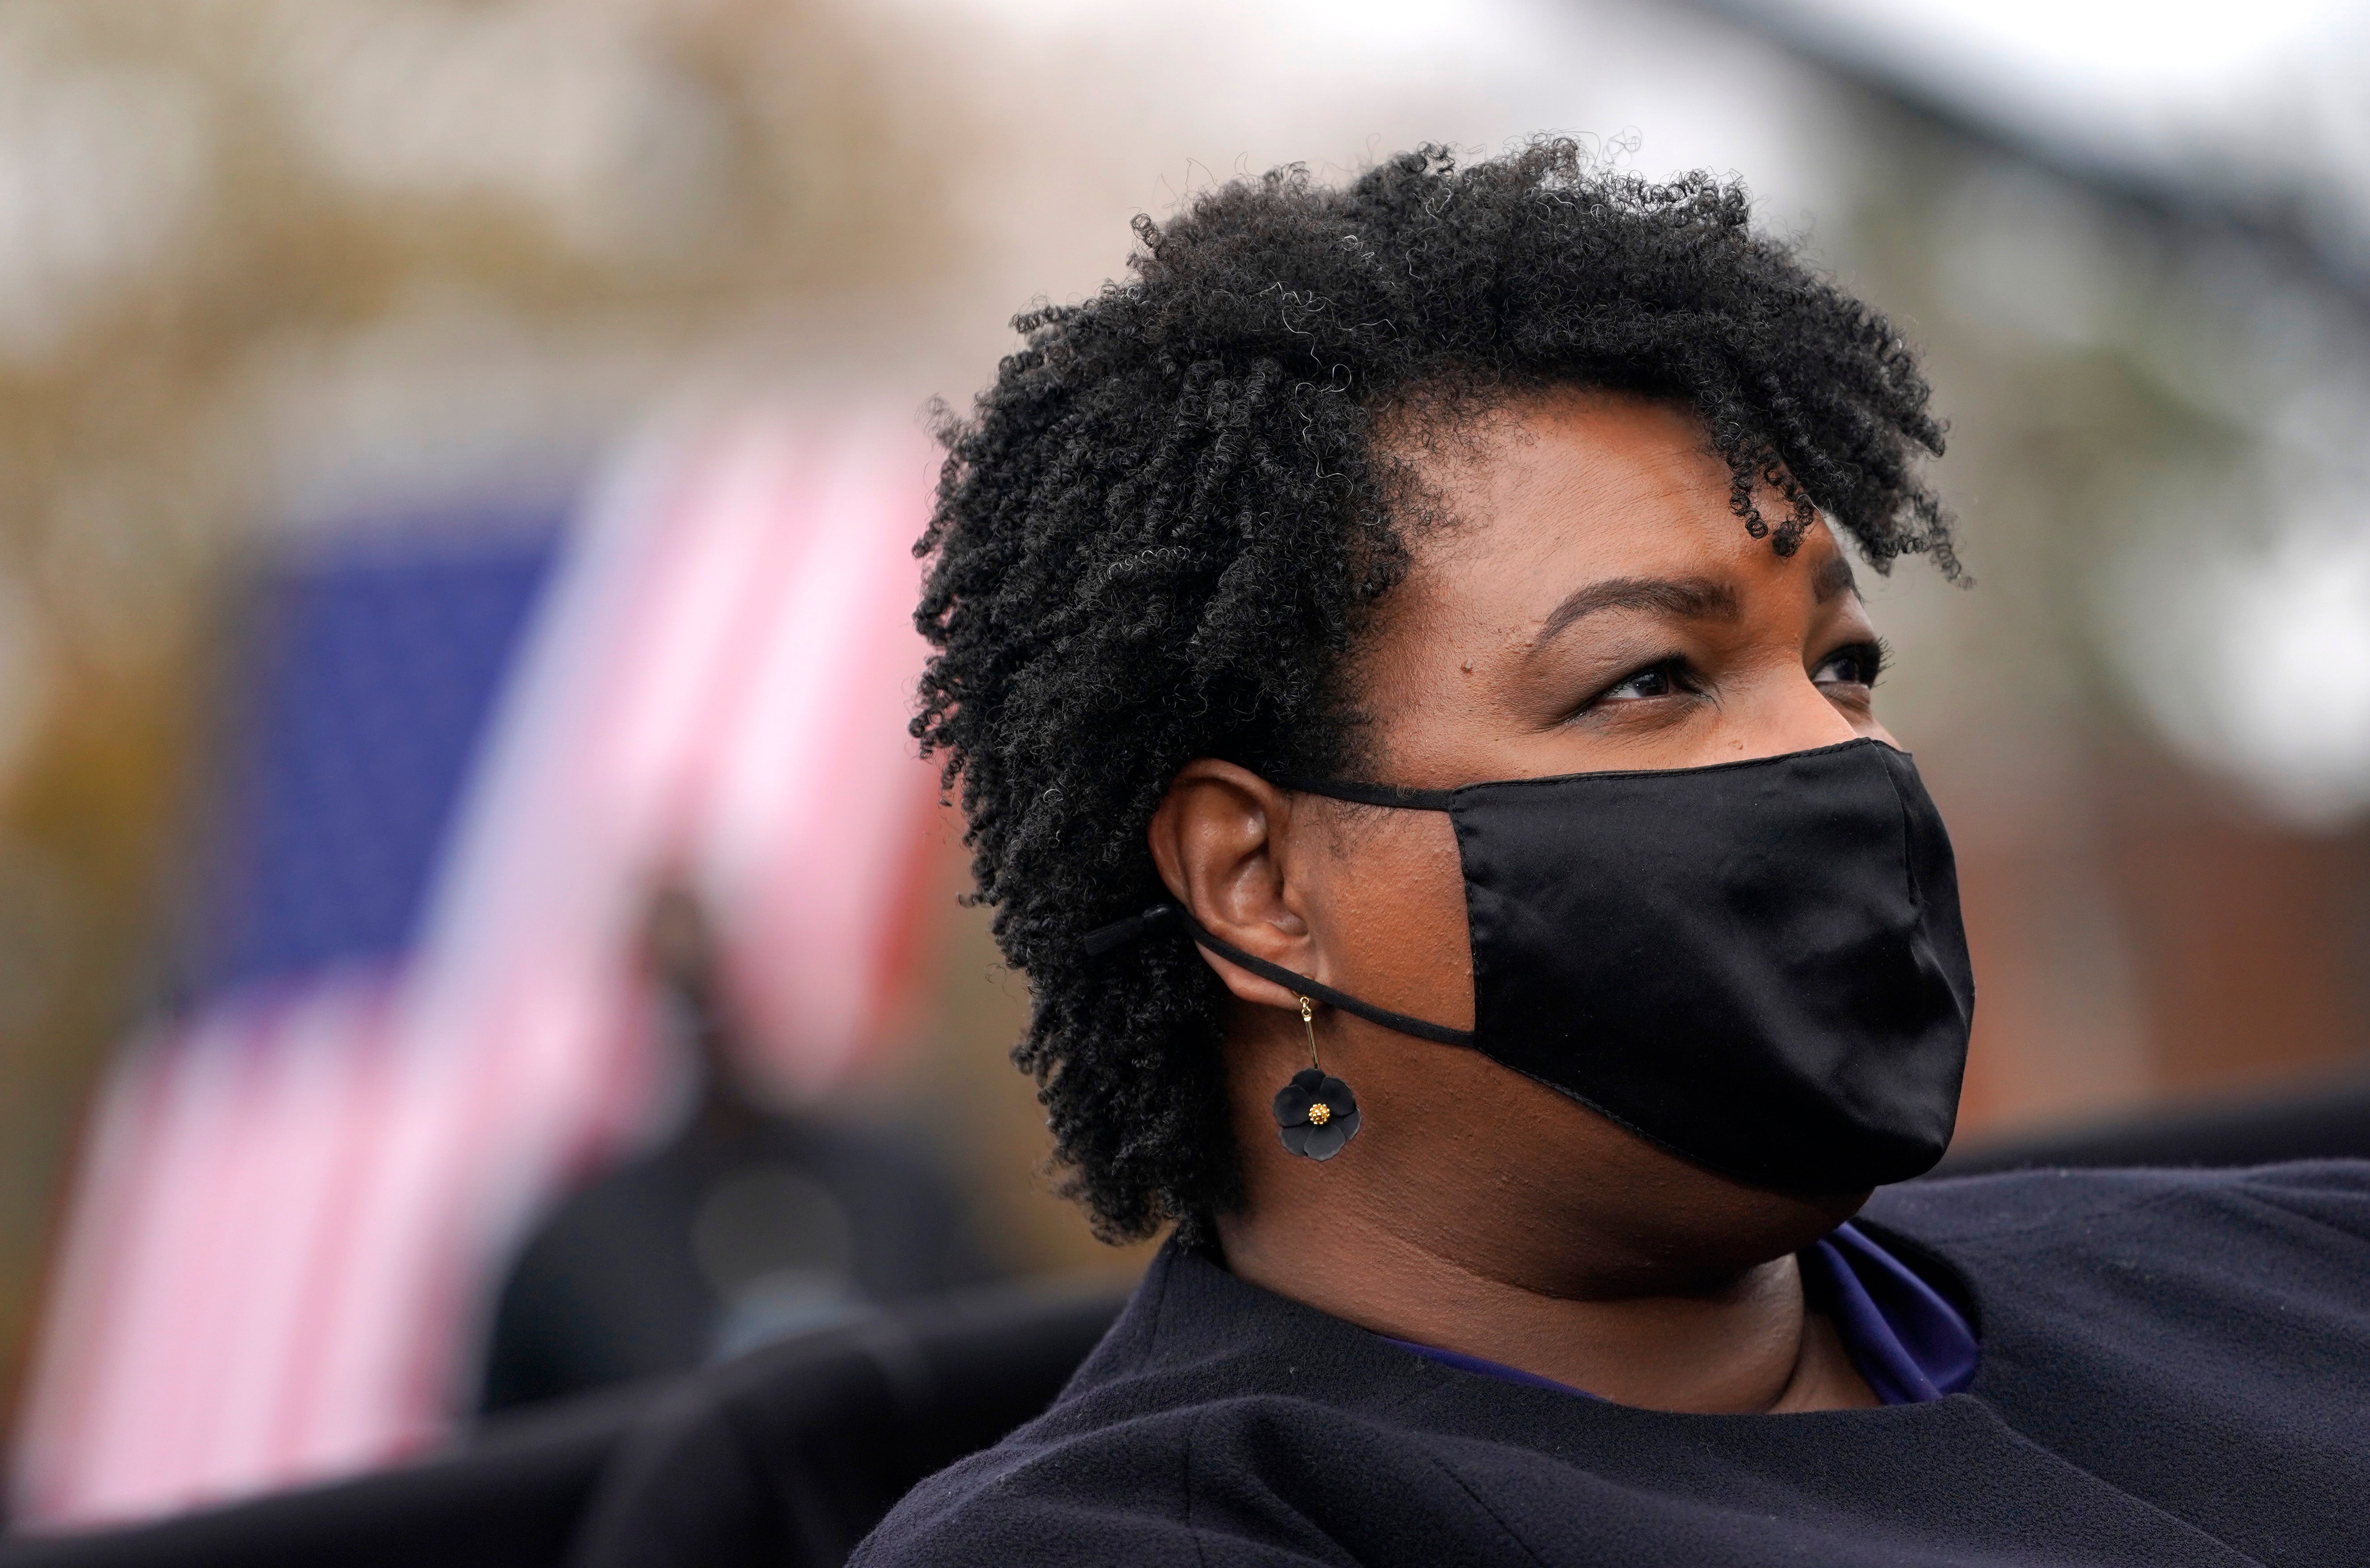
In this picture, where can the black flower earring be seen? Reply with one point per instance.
(1316, 1113)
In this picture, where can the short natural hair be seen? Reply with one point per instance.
(1162, 529)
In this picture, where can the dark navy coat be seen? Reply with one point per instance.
(2175, 1370)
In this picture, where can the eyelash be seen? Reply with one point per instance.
(1875, 655)
(1673, 667)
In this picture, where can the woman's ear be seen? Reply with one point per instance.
(1222, 839)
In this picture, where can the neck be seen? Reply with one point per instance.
(1742, 1343)
(1482, 1212)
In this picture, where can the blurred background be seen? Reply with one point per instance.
(471, 927)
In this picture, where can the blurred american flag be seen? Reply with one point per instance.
(418, 1014)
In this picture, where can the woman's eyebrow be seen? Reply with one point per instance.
(1689, 599)
(1834, 577)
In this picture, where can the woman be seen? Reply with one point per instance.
(1416, 721)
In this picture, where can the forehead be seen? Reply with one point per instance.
(1545, 495)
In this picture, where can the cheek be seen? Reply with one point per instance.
(1391, 920)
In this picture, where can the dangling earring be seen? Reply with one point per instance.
(1316, 1113)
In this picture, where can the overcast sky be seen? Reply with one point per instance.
(2274, 91)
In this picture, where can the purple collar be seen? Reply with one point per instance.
(1909, 1343)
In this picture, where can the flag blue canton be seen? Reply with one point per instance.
(369, 682)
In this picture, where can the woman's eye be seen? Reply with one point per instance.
(1654, 681)
(1858, 665)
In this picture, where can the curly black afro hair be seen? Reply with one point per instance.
(1160, 532)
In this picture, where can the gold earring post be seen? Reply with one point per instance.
(1308, 1022)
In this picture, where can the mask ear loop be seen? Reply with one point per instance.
(1316, 1113)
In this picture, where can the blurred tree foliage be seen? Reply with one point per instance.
(217, 221)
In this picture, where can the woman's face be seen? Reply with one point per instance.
(1590, 603)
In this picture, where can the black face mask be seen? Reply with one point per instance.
(1758, 966)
